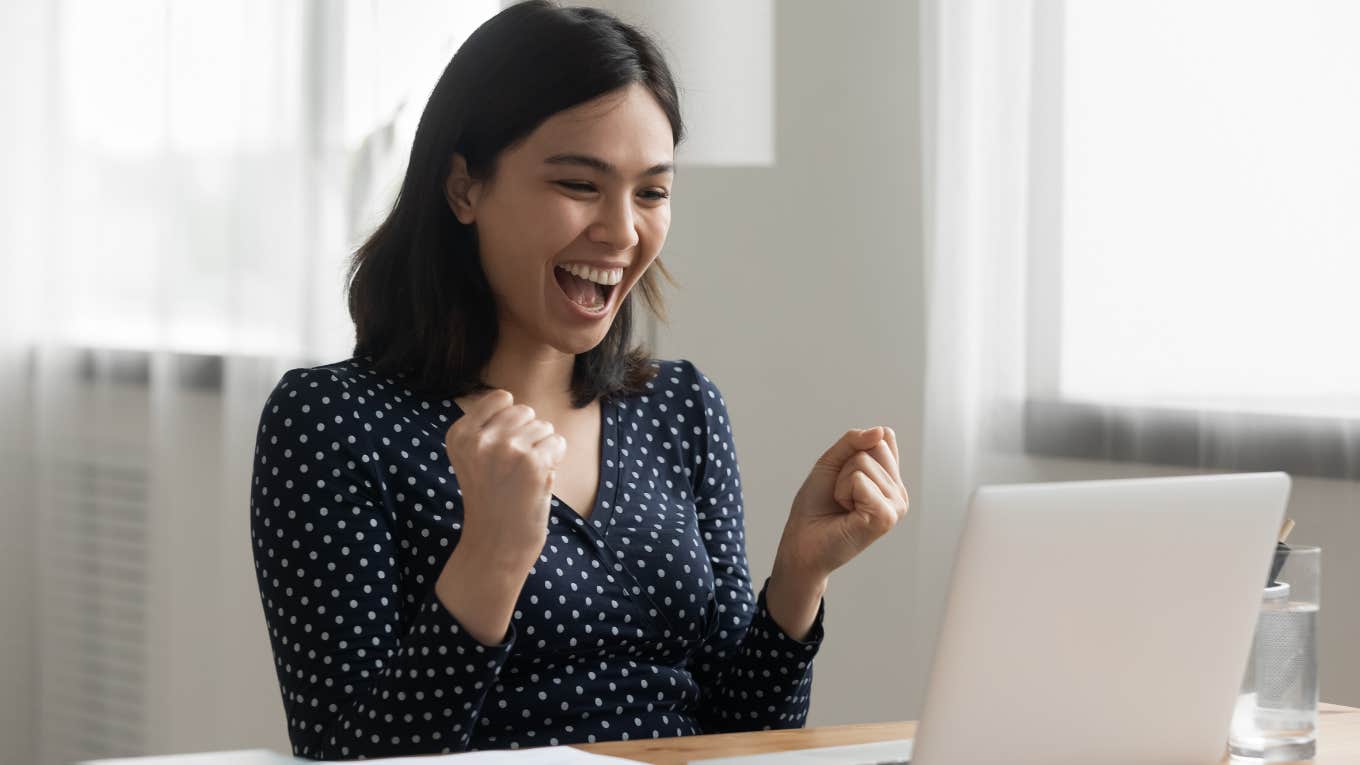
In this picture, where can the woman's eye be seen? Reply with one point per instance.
(653, 194)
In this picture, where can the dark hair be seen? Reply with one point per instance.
(420, 300)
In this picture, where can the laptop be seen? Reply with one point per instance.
(1091, 621)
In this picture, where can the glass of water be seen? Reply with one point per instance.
(1275, 719)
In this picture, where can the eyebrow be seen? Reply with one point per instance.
(585, 160)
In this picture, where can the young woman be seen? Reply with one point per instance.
(499, 524)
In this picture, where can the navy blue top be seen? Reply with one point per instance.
(639, 622)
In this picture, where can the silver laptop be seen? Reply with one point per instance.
(1091, 621)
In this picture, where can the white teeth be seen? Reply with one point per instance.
(597, 275)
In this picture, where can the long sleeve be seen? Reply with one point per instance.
(752, 675)
(363, 671)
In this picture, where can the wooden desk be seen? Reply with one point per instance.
(1338, 740)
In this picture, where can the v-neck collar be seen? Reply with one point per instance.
(607, 489)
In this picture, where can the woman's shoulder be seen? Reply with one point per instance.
(361, 414)
(681, 387)
(343, 375)
(676, 374)
(351, 383)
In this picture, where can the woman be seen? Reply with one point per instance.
(499, 524)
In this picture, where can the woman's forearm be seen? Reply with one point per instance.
(481, 595)
(793, 598)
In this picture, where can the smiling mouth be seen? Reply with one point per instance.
(583, 292)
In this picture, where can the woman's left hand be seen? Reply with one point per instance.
(853, 496)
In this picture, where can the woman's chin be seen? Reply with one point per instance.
(577, 336)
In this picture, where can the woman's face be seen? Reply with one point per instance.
(590, 185)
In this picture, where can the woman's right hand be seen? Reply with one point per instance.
(505, 461)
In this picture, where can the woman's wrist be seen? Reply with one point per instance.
(480, 594)
(793, 597)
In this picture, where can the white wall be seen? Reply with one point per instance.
(801, 298)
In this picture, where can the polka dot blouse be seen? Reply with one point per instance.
(638, 622)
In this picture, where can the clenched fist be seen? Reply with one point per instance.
(852, 496)
(505, 461)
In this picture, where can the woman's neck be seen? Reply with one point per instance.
(540, 378)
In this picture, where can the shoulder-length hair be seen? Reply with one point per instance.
(420, 300)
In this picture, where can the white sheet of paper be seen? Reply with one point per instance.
(548, 755)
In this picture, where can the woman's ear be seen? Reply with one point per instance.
(460, 189)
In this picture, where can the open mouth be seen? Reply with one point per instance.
(590, 296)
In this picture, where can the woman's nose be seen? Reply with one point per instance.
(614, 225)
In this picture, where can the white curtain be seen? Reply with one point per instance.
(183, 182)
(975, 67)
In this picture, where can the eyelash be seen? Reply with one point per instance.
(575, 186)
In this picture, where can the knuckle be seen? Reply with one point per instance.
(547, 458)
(482, 440)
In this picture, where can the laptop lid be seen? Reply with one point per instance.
(1100, 621)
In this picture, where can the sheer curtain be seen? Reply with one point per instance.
(975, 69)
(183, 183)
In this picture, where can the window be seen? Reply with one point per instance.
(1197, 203)
(214, 163)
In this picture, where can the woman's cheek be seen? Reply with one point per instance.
(655, 233)
(562, 222)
